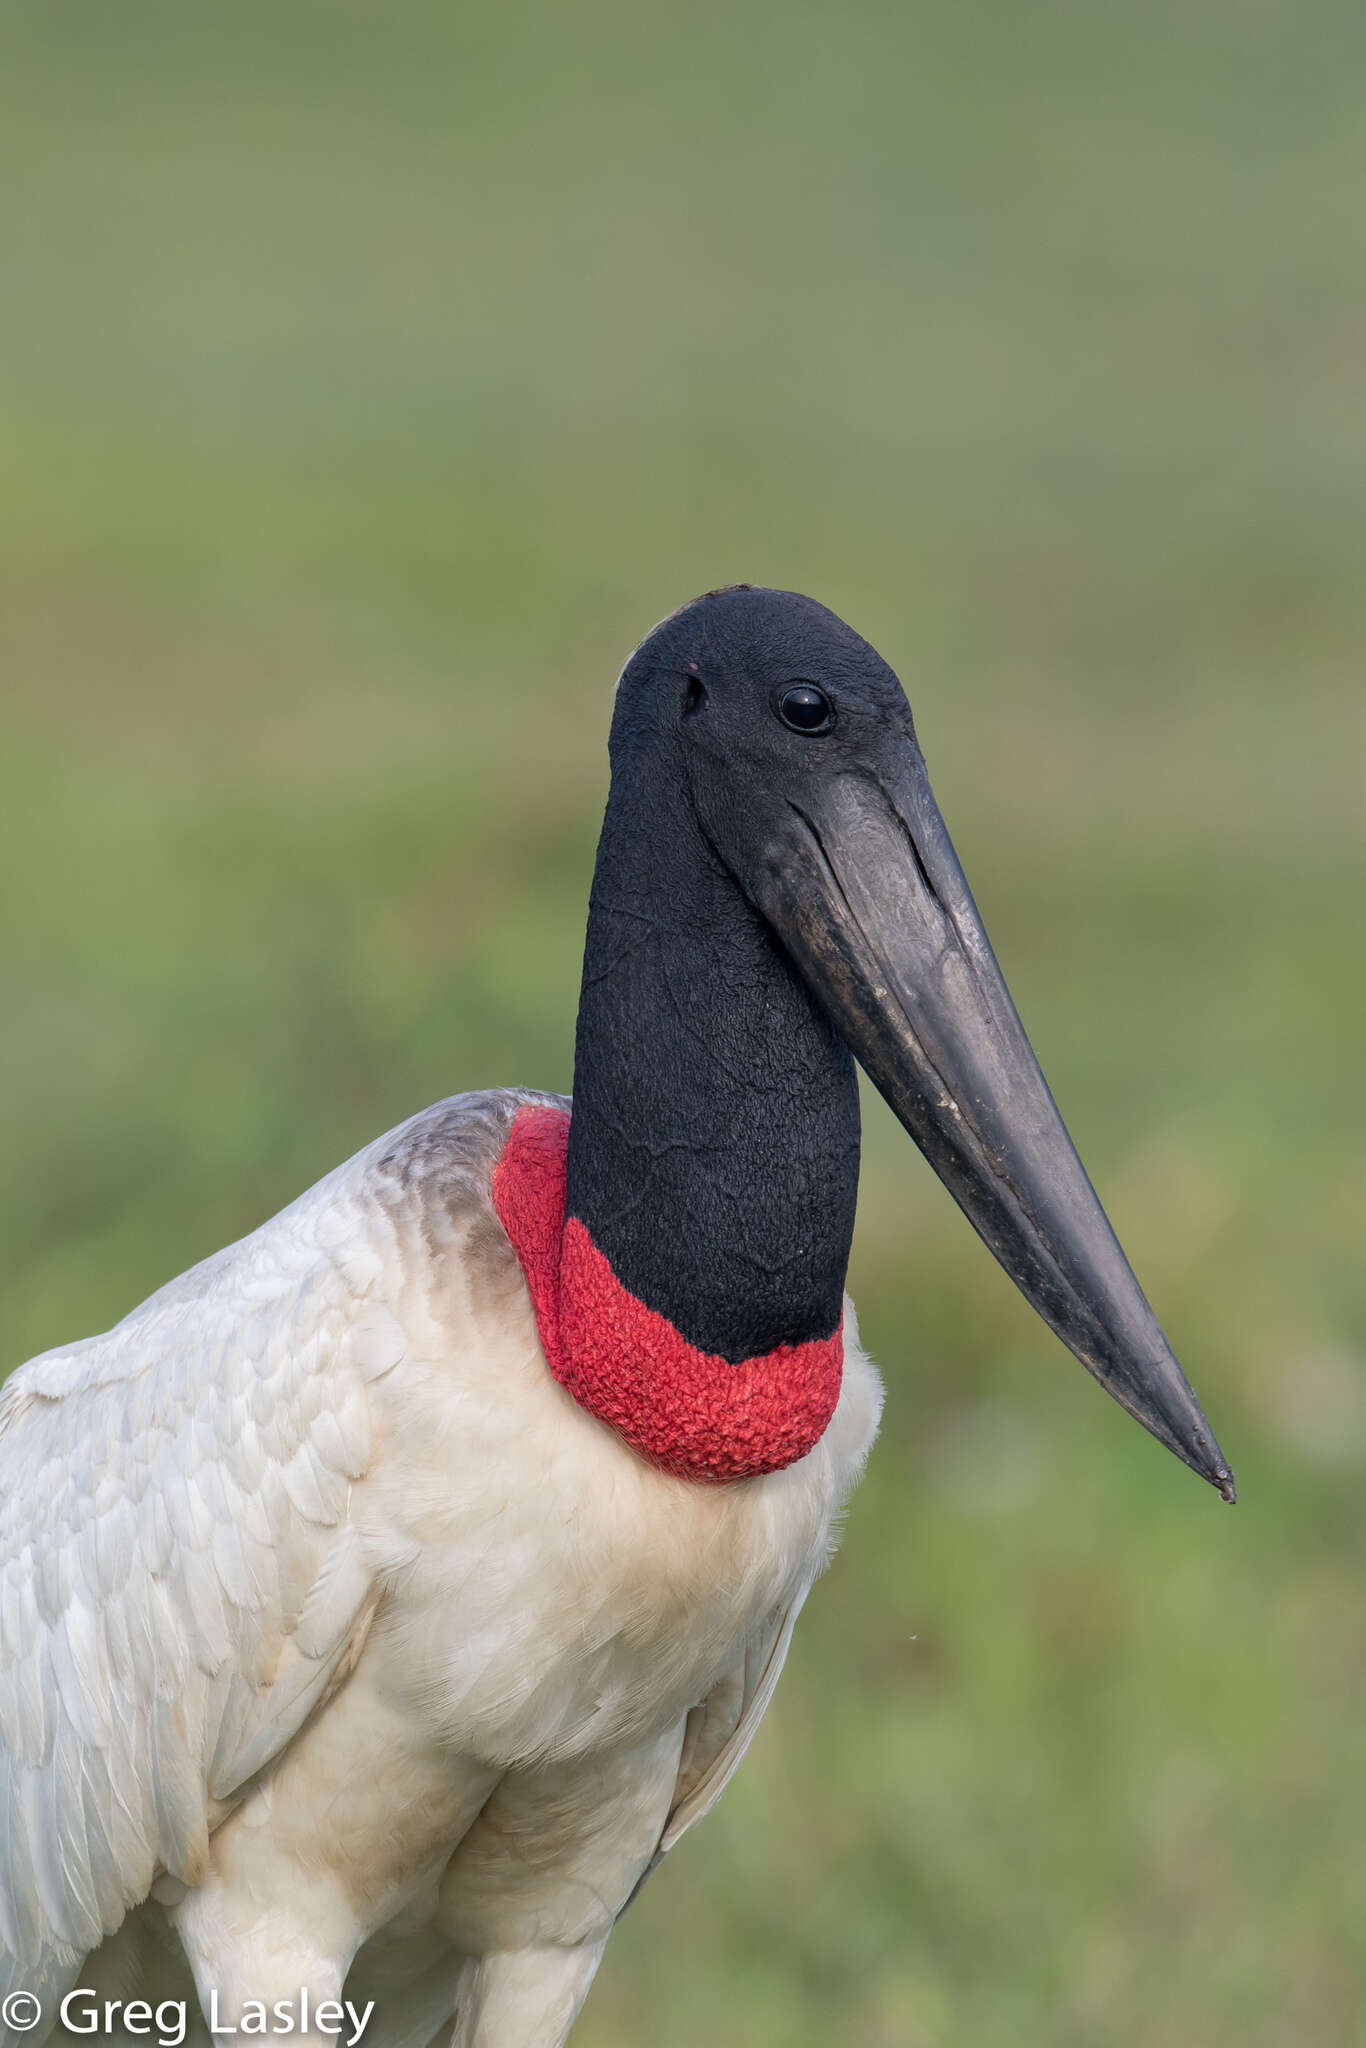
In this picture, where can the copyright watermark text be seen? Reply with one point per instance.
(83, 2011)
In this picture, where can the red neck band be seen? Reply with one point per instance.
(687, 1411)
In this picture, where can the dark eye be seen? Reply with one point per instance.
(805, 708)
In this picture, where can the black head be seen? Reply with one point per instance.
(794, 742)
(764, 693)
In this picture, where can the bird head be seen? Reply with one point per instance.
(797, 747)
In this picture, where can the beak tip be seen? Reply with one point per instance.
(1211, 1464)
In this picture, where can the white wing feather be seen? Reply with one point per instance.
(179, 1580)
(721, 1727)
(720, 1730)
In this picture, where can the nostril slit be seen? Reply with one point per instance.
(694, 697)
(921, 868)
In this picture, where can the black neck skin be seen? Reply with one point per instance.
(714, 1145)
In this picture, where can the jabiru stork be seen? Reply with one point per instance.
(381, 1599)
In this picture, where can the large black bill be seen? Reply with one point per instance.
(867, 896)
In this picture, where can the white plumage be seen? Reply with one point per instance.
(339, 1646)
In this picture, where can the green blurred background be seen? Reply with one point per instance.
(370, 380)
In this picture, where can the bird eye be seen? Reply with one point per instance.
(806, 709)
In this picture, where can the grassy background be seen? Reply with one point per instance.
(370, 379)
